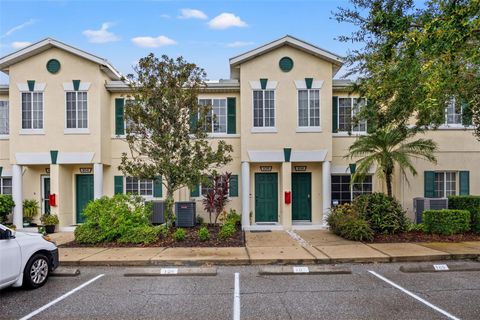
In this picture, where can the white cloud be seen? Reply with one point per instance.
(152, 42)
(102, 35)
(226, 20)
(20, 44)
(192, 14)
(237, 44)
(20, 26)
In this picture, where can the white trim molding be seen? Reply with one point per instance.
(266, 156)
(38, 87)
(62, 158)
(33, 158)
(301, 85)
(84, 86)
(308, 156)
(75, 157)
(271, 85)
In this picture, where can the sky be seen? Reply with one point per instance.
(207, 33)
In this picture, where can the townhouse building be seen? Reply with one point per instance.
(288, 119)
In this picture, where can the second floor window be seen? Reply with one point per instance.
(4, 118)
(32, 110)
(453, 113)
(264, 108)
(347, 109)
(309, 108)
(143, 187)
(216, 120)
(77, 110)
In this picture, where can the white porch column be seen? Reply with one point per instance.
(245, 194)
(326, 189)
(17, 195)
(97, 180)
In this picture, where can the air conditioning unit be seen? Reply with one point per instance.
(422, 204)
(158, 210)
(185, 212)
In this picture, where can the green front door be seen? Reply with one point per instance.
(301, 196)
(266, 197)
(84, 193)
(46, 194)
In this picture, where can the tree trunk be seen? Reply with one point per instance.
(388, 179)
(169, 201)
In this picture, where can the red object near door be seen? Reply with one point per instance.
(288, 197)
(52, 199)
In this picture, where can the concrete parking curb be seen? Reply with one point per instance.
(303, 270)
(65, 272)
(168, 272)
(439, 267)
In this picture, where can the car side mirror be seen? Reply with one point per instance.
(7, 234)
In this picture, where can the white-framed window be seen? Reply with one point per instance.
(343, 191)
(4, 126)
(347, 109)
(216, 119)
(32, 110)
(143, 187)
(453, 113)
(445, 184)
(264, 108)
(207, 187)
(76, 110)
(5, 185)
(309, 108)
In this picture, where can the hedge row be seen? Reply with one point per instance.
(470, 203)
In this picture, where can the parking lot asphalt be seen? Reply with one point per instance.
(359, 295)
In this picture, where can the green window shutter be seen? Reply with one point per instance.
(157, 187)
(464, 183)
(231, 115)
(118, 184)
(233, 188)
(195, 191)
(119, 116)
(429, 184)
(334, 114)
(466, 114)
(193, 121)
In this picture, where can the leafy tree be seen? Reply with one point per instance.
(389, 146)
(165, 126)
(412, 61)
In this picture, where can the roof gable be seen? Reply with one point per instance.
(335, 59)
(48, 43)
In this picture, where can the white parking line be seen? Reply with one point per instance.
(48, 305)
(236, 298)
(411, 294)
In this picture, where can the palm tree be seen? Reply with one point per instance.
(389, 146)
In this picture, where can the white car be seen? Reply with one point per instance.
(25, 258)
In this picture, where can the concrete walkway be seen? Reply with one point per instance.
(276, 247)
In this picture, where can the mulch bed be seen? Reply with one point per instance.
(417, 236)
(191, 240)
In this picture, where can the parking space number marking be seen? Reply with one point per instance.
(300, 270)
(169, 271)
(440, 267)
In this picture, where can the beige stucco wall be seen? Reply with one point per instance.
(72, 67)
(305, 66)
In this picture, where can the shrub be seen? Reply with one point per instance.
(345, 222)
(233, 217)
(87, 234)
(179, 234)
(6, 206)
(118, 218)
(200, 220)
(383, 213)
(470, 203)
(30, 209)
(419, 227)
(203, 234)
(227, 230)
(141, 234)
(49, 219)
(446, 221)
